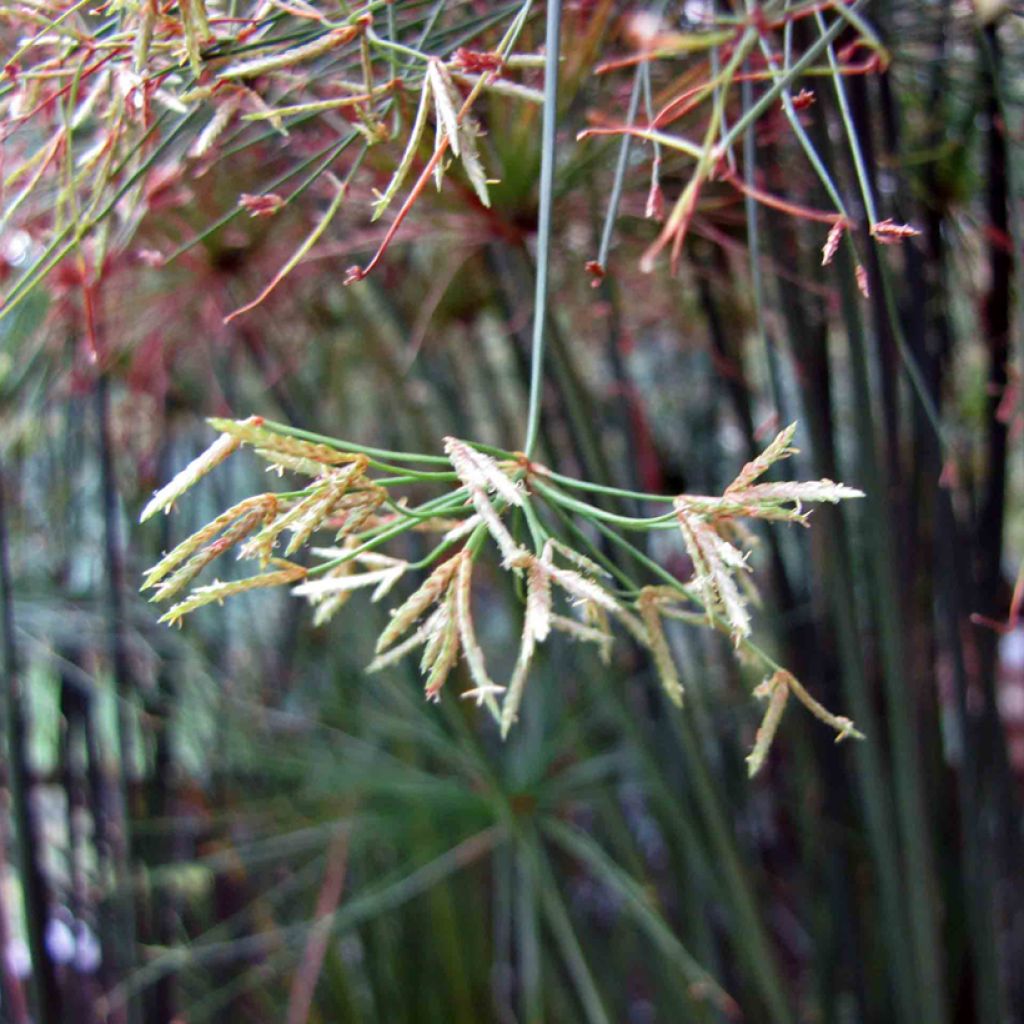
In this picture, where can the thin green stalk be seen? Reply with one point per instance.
(547, 190)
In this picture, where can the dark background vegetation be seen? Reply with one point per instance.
(232, 822)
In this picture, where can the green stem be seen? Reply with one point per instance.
(547, 178)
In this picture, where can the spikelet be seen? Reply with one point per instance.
(511, 553)
(296, 55)
(318, 589)
(215, 127)
(480, 471)
(648, 604)
(588, 565)
(196, 28)
(265, 504)
(219, 592)
(795, 493)
(412, 145)
(845, 729)
(596, 618)
(776, 690)
(334, 498)
(144, 34)
(888, 232)
(831, 246)
(252, 432)
(517, 684)
(442, 651)
(281, 461)
(538, 598)
(407, 646)
(581, 631)
(461, 134)
(715, 560)
(579, 586)
(779, 449)
(329, 605)
(446, 102)
(536, 628)
(484, 689)
(184, 575)
(163, 499)
(403, 617)
(463, 529)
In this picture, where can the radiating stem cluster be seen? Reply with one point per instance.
(489, 497)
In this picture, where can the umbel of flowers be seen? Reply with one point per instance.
(543, 527)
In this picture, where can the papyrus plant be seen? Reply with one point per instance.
(547, 529)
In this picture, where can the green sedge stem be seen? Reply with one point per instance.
(667, 521)
(547, 189)
(615, 492)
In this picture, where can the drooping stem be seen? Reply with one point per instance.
(547, 178)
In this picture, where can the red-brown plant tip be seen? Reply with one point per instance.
(11, 71)
(803, 99)
(831, 246)
(596, 271)
(475, 61)
(151, 258)
(888, 232)
(353, 274)
(654, 208)
(265, 205)
(862, 281)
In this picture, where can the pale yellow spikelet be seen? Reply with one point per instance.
(403, 617)
(190, 475)
(407, 646)
(356, 511)
(144, 33)
(477, 470)
(296, 55)
(469, 132)
(511, 552)
(462, 529)
(649, 605)
(412, 145)
(776, 690)
(796, 492)
(597, 618)
(219, 592)
(252, 432)
(715, 560)
(484, 689)
(281, 461)
(215, 127)
(442, 651)
(186, 573)
(588, 565)
(196, 30)
(580, 631)
(579, 586)
(537, 621)
(329, 606)
(266, 504)
(779, 449)
(326, 586)
(446, 101)
(313, 517)
(517, 684)
(356, 507)
(439, 622)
